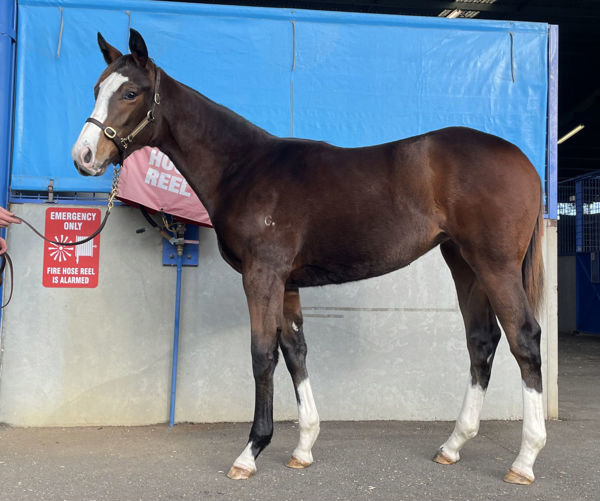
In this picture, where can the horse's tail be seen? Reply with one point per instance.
(533, 265)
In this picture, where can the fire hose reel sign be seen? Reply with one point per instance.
(73, 266)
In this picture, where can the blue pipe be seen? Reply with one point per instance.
(8, 40)
(176, 339)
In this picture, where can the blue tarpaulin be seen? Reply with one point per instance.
(346, 78)
(7, 62)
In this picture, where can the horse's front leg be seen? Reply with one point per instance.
(264, 292)
(293, 346)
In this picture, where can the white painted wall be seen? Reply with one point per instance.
(385, 348)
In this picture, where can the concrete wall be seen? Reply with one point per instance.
(385, 348)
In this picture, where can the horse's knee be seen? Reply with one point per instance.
(296, 347)
(264, 360)
(292, 342)
(292, 325)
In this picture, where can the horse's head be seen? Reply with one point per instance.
(126, 96)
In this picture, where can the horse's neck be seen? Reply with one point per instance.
(206, 141)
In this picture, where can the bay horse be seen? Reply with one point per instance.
(292, 213)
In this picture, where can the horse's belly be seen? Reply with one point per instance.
(340, 271)
(361, 259)
(312, 276)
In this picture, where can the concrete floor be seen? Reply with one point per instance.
(353, 460)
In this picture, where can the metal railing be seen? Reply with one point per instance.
(579, 215)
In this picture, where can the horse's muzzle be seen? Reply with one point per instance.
(86, 162)
(80, 170)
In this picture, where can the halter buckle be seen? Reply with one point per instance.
(110, 133)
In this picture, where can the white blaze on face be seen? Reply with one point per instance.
(90, 134)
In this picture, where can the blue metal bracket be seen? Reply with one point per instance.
(190, 250)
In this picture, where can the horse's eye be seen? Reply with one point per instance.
(129, 95)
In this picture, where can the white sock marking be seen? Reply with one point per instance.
(246, 460)
(308, 420)
(467, 423)
(90, 134)
(534, 432)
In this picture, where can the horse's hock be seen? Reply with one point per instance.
(386, 348)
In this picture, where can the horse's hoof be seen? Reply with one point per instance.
(442, 458)
(512, 477)
(297, 464)
(237, 473)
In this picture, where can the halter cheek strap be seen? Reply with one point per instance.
(123, 142)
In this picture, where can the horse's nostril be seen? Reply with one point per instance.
(88, 156)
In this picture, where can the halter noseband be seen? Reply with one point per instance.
(123, 142)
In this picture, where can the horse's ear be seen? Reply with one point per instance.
(108, 51)
(138, 48)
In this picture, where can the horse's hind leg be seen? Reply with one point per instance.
(483, 334)
(509, 300)
(293, 346)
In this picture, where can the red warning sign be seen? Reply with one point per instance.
(71, 265)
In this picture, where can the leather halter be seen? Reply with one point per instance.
(123, 142)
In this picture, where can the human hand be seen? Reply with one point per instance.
(7, 218)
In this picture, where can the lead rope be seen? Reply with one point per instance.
(5, 258)
(114, 191)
